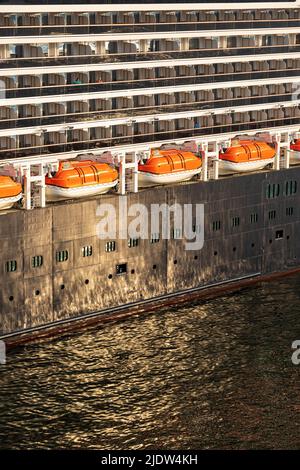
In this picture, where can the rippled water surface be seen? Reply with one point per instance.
(213, 375)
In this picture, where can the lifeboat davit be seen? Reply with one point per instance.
(244, 156)
(295, 153)
(77, 179)
(10, 192)
(169, 166)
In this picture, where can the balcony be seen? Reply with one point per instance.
(155, 21)
(84, 139)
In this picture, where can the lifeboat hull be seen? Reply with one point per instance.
(294, 157)
(10, 192)
(228, 168)
(8, 202)
(153, 179)
(57, 193)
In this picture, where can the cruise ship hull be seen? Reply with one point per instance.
(58, 296)
(56, 193)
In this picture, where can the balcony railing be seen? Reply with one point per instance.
(145, 27)
(14, 62)
(95, 87)
(132, 112)
(148, 138)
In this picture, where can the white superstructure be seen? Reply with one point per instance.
(91, 78)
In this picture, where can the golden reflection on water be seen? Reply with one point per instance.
(213, 375)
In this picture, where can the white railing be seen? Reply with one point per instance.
(59, 8)
(150, 64)
(128, 93)
(70, 38)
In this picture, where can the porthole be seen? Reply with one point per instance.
(110, 276)
(154, 266)
(62, 287)
(86, 281)
(175, 261)
(234, 248)
(195, 258)
(37, 292)
(215, 253)
(132, 271)
(11, 298)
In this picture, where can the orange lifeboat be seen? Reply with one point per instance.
(168, 166)
(76, 179)
(295, 152)
(10, 192)
(244, 156)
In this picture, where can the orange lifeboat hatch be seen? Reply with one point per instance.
(76, 179)
(169, 166)
(10, 192)
(245, 156)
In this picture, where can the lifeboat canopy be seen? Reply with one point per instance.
(72, 174)
(76, 179)
(10, 192)
(243, 151)
(170, 161)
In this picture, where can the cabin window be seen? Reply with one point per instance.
(62, 256)
(273, 190)
(110, 246)
(87, 251)
(37, 261)
(290, 188)
(279, 235)
(289, 211)
(272, 215)
(235, 221)
(216, 225)
(253, 218)
(132, 242)
(176, 233)
(155, 238)
(121, 268)
(196, 228)
(11, 266)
